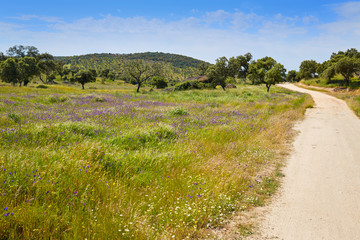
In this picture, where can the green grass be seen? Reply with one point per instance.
(109, 163)
(335, 82)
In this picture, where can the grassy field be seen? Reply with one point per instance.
(106, 163)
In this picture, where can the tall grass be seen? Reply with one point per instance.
(105, 164)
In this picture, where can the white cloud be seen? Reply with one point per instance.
(289, 40)
(310, 19)
(347, 26)
(199, 36)
(219, 16)
(243, 22)
(110, 24)
(41, 18)
(283, 27)
(6, 27)
(349, 10)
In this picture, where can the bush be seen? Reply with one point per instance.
(42, 86)
(173, 82)
(230, 80)
(14, 117)
(178, 111)
(187, 85)
(159, 82)
(99, 99)
(57, 99)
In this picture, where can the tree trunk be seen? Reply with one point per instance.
(223, 87)
(41, 79)
(83, 86)
(138, 88)
(268, 87)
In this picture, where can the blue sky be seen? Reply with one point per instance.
(289, 31)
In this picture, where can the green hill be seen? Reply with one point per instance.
(177, 66)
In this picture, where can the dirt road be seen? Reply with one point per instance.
(320, 197)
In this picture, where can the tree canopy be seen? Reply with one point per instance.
(239, 66)
(292, 76)
(308, 69)
(275, 75)
(19, 51)
(345, 63)
(219, 72)
(28, 69)
(347, 67)
(83, 77)
(139, 71)
(10, 71)
(258, 69)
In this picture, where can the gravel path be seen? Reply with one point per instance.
(320, 197)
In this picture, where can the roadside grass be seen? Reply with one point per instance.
(352, 98)
(350, 95)
(335, 82)
(113, 164)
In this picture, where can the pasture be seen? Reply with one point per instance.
(109, 163)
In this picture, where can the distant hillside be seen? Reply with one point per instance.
(177, 66)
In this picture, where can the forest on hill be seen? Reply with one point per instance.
(177, 66)
(22, 64)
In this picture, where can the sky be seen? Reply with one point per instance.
(288, 31)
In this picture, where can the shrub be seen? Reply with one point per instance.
(178, 111)
(160, 135)
(42, 86)
(187, 85)
(14, 117)
(99, 99)
(57, 99)
(230, 80)
(159, 82)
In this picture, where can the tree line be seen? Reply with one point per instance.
(347, 64)
(265, 70)
(21, 64)
(177, 67)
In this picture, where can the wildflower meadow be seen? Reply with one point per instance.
(112, 164)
